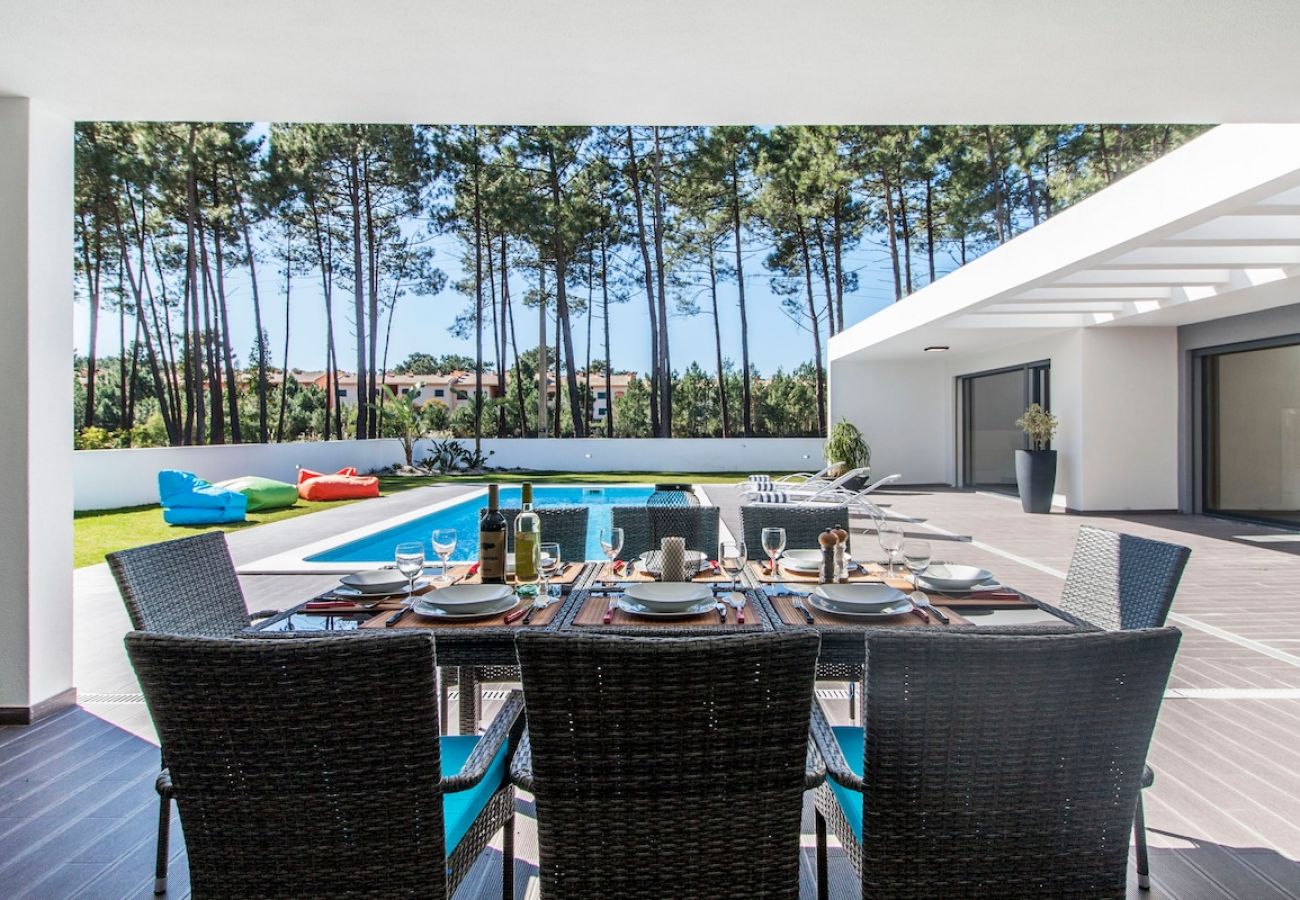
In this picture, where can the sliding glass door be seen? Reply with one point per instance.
(991, 402)
(1251, 439)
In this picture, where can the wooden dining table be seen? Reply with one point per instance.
(585, 604)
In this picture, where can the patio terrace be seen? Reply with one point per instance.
(1222, 815)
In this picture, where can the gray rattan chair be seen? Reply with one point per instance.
(802, 524)
(645, 527)
(667, 767)
(188, 587)
(1020, 782)
(565, 525)
(1120, 581)
(313, 767)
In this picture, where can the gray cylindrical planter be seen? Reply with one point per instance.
(1036, 478)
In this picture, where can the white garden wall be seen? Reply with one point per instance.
(104, 479)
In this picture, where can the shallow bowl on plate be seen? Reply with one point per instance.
(376, 581)
(859, 598)
(670, 596)
(468, 598)
(951, 577)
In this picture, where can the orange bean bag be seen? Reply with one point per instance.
(308, 474)
(338, 487)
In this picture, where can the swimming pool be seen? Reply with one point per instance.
(463, 516)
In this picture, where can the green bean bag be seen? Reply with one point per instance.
(263, 493)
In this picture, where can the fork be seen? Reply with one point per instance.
(808, 616)
(737, 601)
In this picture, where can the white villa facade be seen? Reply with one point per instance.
(1159, 320)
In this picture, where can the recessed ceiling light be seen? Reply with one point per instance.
(936, 348)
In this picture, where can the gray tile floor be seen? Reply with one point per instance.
(76, 797)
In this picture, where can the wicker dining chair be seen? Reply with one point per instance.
(313, 767)
(997, 764)
(186, 587)
(1122, 581)
(645, 527)
(565, 525)
(667, 767)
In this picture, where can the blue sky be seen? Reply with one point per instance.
(421, 323)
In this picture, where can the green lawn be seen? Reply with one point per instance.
(102, 531)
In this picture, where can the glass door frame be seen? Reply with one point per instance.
(1205, 426)
(1037, 389)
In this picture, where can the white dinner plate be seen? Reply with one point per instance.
(905, 605)
(669, 596)
(468, 597)
(634, 608)
(952, 577)
(425, 606)
(652, 561)
(376, 581)
(859, 598)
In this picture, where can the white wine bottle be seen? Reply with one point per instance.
(528, 538)
(492, 540)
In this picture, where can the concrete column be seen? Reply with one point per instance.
(36, 290)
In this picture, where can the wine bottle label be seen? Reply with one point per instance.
(492, 556)
(526, 557)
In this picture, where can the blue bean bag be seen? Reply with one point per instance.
(189, 500)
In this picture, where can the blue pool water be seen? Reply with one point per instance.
(463, 516)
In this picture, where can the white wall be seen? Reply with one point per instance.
(1114, 390)
(105, 479)
(36, 169)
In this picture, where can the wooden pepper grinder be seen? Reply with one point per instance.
(841, 554)
(828, 542)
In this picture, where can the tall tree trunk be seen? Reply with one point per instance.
(837, 248)
(284, 370)
(262, 350)
(543, 373)
(163, 326)
(359, 285)
(831, 328)
(563, 324)
(135, 372)
(165, 407)
(666, 367)
(891, 230)
(635, 178)
(995, 179)
(746, 398)
(929, 223)
(1047, 183)
(604, 299)
(122, 399)
(212, 334)
(816, 328)
(232, 386)
(195, 418)
(324, 258)
(498, 336)
(478, 306)
(508, 312)
(372, 386)
(717, 344)
(906, 227)
(93, 270)
(587, 393)
(556, 428)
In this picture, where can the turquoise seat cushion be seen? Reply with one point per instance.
(459, 810)
(851, 744)
(187, 499)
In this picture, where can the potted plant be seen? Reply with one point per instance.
(1036, 467)
(846, 446)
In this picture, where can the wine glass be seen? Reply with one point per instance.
(549, 563)
(444, 544)
(611, 542)
(410, 562)
(891, 539)
(773, 545)
(916, 556)
(732, 556)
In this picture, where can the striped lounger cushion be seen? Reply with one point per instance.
(769, 497)
(760, 479)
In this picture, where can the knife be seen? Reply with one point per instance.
(609, 612)
(395, 617)
(798, 604)
(923, 602)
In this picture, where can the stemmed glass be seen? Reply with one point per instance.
(444, 544)
(891, 539)
(916, 556)
(611, 542)
(732, 556)
(773, 545)
(410, 562)
(549, 563)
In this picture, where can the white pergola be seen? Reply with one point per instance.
(492, 61)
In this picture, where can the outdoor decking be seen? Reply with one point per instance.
(78, 810)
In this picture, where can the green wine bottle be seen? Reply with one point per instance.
(492, 540)
(528, 538)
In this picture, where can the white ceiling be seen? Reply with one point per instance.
(1210, 230)
(671, 61)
